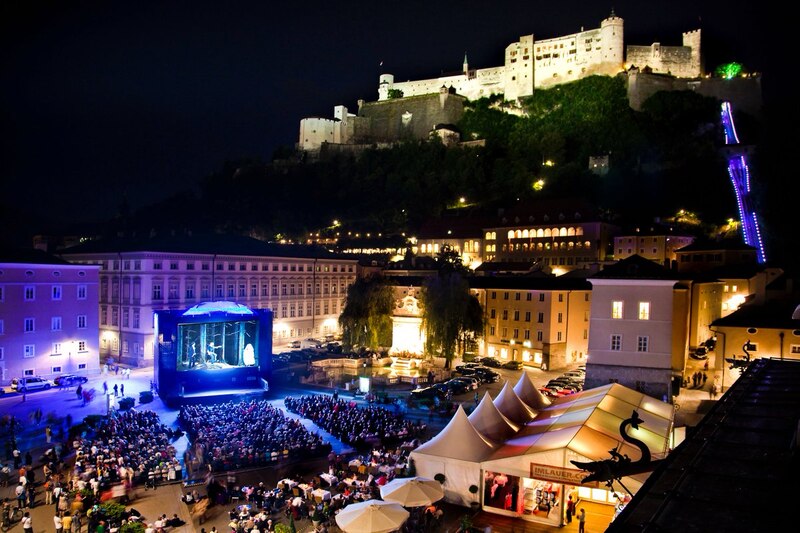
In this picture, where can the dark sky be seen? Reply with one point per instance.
(105, 98)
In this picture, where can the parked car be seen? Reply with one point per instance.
(468, 369)
(31, 383)
(700, 353)
(69, 380)
(293, 344)
(491, 362)
(311, 343)
(428, 393)
(457, 387)
(471, 381)
(576, 374)
(486, 375)
(513, 365)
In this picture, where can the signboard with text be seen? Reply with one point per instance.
(557, 474)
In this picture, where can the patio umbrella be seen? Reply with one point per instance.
(371, 516)
(412, 491)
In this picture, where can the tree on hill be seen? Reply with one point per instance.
(366, 318)
(451, 315)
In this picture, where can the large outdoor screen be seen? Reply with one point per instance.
(217, 345)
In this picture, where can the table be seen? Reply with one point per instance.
(305, 488)
(287, 483)
(330, 479)
(355, 462)
(321, 493)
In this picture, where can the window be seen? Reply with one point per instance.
(505, 314)
(558, 336)
(173, 265)
(81, 321)
(231, 290)
(539, 335)
(28, 372)
(540, 318)
(125, 317)
(504, 333)
(190, 292)
(30, 293)
(56, 348)
(2, 293)
(2, 326)
(30, 325)
(516, 333)
(157, 291)
(528, 297)
(220, 266)
(137, 265)
(616, 309)
(494, 295)
(794, 349)
(231, 266)
(219, 291)
(560, 318)
(81, 292)
(491, 330)
(242, 290)
(29, 350)
(492, 313)
(642, 343)
(103, 313)
(516, 315)
(527, 334)
(157, 265)
(114, 316)
(173, 290)
(2, 353)
(516, 296)
(82, 346)
(560, 297)
(644, 310)
(189, 265)
(204, 266)
(56, 292)
(527, 316)
(541, 296)
(136, 318)
(55, 323)
(616, 342)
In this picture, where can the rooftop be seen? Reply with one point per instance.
(29, 256)
(635, 267)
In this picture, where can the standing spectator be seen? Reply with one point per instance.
(582, 521)
(105, 388)
(116, 390)
(122, 389)
(48, 433)
(27, 523)
(20, 494)
(58, 523)
(66, 523)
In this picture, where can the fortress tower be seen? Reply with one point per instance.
(613, 43)
(691, 39)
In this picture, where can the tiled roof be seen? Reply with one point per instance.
(635, 267)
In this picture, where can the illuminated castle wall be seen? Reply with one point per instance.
(680, 61)
(529, 64)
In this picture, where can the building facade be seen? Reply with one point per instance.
(657, 247)
(638, 334)
(303, 286)
(48, 317)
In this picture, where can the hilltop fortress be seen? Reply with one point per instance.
(412, 109)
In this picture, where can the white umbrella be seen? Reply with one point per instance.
(371, 516)
(412, 491)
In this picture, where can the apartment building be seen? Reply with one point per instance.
(48, 316)
(304, 286)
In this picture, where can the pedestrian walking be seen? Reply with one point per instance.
(582, 521)
(116, 390)
(105, 388)
(79, 392)
(27, 523)
(122, 389)
(705, 378)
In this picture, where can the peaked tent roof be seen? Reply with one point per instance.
(588, 423)
(510, 405)
(529, 394)
(458, 440)
(490, 422)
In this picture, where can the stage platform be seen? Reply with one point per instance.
(219, 395)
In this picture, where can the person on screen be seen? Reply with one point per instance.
(249, 355)
(192, 354)
(211, 354)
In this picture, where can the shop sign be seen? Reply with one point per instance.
(555, 474)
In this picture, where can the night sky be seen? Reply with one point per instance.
(102, 99)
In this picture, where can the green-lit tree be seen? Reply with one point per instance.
(451, 315)
(366, 319)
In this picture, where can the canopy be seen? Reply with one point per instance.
(371, 516)
(529, 394)
(508, 403)
(490, 422)
(412, 491)
(458, 440)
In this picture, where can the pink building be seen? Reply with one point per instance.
(48, 316)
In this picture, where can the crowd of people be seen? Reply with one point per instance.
(358, 426)
(235, 435)
(132, 447)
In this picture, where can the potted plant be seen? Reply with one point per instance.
(474, 504)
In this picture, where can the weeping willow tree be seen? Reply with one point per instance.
(366, 319)
(451, 316)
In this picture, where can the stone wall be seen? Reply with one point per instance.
(655, 382)
(410, 118)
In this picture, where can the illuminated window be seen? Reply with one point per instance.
(55, 323)
(56, 292)
(616, 309)
(644, 310)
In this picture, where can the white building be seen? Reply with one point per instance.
(638, 328)
(304, 286)
(48, 316)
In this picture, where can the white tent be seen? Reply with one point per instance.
(490, 422)
(584, 427)
(528, 393)
(456, 452)
(510, 405)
